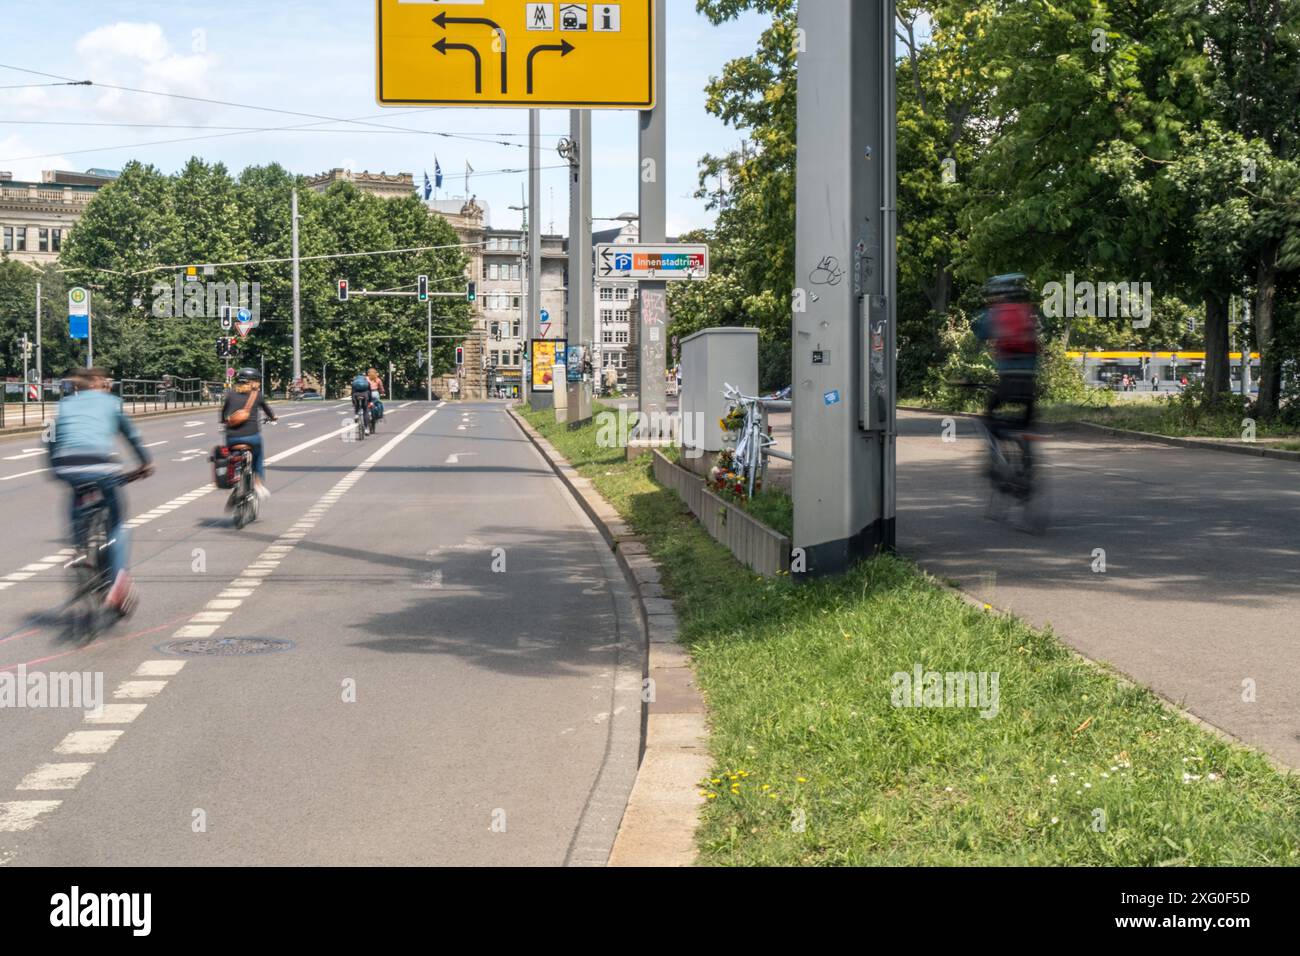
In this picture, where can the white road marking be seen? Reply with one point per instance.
(210, 617)
(297, 424)
(138, 689)
(159, 668)
(223, 604)
(55, 776)
(455, 457)
(21, 815)
(153, 443)
(117, 714)
(23, 474)
(38, 567)
(196, 630)
(30, 454)
(194, 424)
(196, 435)
(20, 575)
(81, 742)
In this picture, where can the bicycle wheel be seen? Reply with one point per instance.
(90, 580)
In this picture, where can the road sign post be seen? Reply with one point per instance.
(513, 54)
(581, 292)
(843, 350)
(540, 398)
(79, 320)
(652, 312)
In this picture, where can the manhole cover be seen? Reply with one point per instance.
(226, 646)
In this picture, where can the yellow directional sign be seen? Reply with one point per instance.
(516, 53)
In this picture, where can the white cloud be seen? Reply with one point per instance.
(140, 55)
(28, 170)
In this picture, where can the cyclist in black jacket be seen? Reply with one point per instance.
(240, 415)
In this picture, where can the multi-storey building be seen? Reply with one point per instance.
(36, 218)
(615, 355)
(504, 296)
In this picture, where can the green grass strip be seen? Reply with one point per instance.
(815, 765)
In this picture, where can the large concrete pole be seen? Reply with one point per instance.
(843, 349)
(581, 325)
(653, 205)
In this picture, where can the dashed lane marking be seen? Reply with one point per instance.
(21, 815)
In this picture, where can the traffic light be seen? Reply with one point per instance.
(343, 290)
(227, 319)
(422, 288)
(471, 292)
(225, 347)
(460, 355)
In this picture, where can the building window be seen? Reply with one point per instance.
(620, 336)
(515, 302)
(493, 271)
(20, 239)
(43, 240)
(8, 239)
(606, 294)
(514, 272)
(514, 358)
(621, 293)
(515, 245)
(607, 336)
(606, 315)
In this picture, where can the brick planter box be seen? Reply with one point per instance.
(753, 543)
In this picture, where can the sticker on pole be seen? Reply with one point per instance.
(832, 397)
(511, 53)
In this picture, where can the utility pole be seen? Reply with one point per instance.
(297, 305)
(90, 330)
(534, 299)
(40, 363)
(27, 351)
(843, 353)
(428, 354)
(581, 326)
(652, 311)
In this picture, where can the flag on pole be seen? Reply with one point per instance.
(437, 173)
(428, 187)
(468, 170)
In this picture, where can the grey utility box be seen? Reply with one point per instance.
(712, 359)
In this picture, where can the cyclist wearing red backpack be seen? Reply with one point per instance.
(1009, 324)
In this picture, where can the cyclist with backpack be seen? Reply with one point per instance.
(1009, 324)
(362, 396)
(240, 416)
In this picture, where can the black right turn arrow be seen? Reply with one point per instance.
(442, 46)
(564, 48)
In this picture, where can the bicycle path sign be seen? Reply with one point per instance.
(513, 53)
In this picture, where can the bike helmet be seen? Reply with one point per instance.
(248, 375)
(1011, 287)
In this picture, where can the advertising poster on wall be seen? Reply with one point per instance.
(545, 353)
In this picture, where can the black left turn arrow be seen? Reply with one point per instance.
(564, 48)
(442, 20)
(442, 46)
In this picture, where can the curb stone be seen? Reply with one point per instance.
(659, 823)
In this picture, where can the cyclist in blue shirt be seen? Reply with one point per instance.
(84, 453)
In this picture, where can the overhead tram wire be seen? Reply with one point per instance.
(227, 103)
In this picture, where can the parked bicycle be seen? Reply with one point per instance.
(747, 457)
(87, 614)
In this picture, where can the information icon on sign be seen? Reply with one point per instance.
(605, 18)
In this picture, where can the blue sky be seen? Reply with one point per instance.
(318, 58)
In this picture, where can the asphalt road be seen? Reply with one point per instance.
(462, 685)
(1200, 596)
